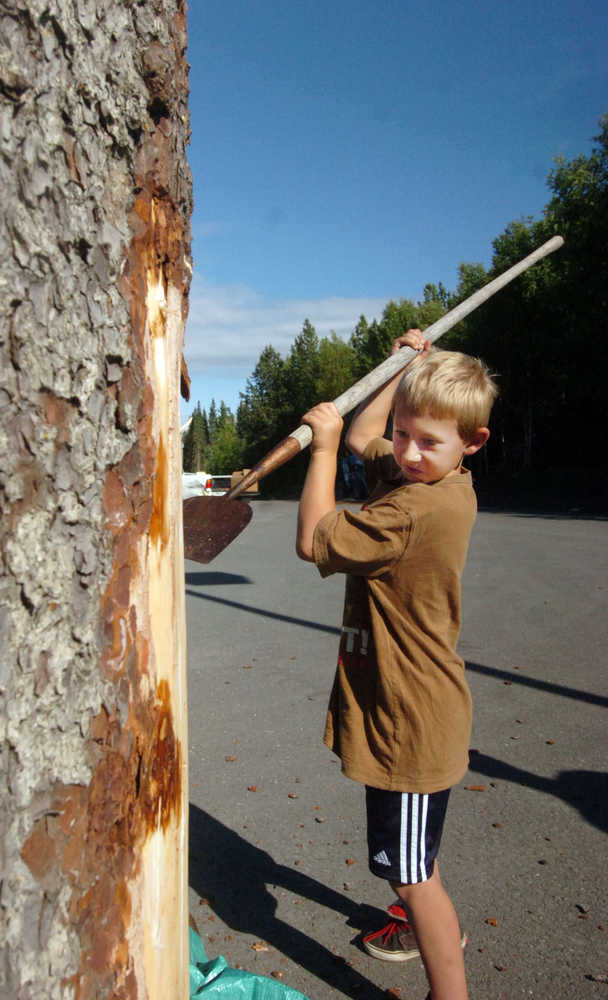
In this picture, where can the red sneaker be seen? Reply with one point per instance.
(393, 943)
(396, 942)
(396, 911)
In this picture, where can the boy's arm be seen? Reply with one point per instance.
(318, 494)
(371, 417)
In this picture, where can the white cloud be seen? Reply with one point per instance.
(231, 324)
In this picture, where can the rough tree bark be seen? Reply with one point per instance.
(94, 277)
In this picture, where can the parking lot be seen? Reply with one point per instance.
(278, 873)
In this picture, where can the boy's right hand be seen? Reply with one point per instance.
(370, 418)
(326, 425)
(411, 338)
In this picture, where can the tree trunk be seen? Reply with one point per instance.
(94, 280)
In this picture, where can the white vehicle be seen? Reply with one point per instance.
(203, 484)
(218, 485)
(195, 484)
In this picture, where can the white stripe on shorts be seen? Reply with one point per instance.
(423, 872)
(413, 838)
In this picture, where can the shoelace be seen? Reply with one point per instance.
(397, 911)
(387, 932)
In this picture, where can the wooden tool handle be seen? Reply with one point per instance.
(302, 436)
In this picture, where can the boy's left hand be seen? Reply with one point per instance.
(411, 338)
(326, 425)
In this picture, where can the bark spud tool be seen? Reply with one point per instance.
(211, 523)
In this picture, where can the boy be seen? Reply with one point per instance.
(400, 709)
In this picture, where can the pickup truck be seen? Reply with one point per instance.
(203, 484)
(217, 485)
(194, 484)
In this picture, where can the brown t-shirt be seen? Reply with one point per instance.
(400, 710)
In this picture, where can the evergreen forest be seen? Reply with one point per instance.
(544, 337)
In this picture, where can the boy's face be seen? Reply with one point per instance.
(426, 448)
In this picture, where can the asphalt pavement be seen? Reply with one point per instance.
(278, 872)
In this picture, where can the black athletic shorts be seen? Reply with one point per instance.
(403, 833)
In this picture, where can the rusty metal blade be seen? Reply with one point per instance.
(212, 523)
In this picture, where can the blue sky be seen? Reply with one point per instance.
(346, 152)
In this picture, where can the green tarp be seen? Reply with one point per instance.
(214, 978)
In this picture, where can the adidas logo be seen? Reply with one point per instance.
(382, 858)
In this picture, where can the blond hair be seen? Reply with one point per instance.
(448, 384)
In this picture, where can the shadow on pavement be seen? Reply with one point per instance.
(290, 619)
(586, 791)
(212, 579)
(561, 514)
(235, 877)
(514, 677)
